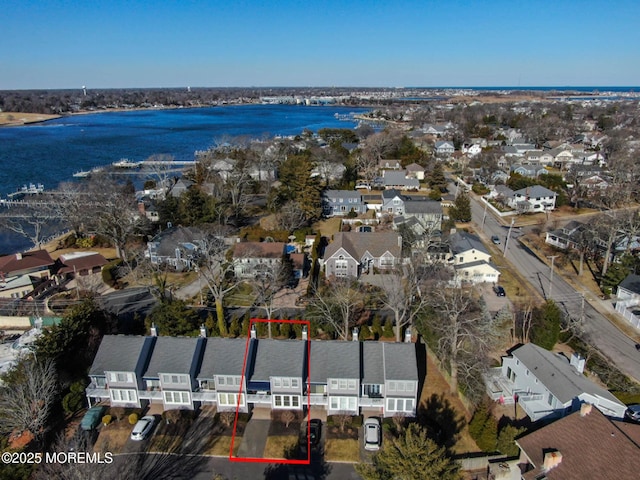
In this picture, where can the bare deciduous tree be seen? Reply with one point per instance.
(27, 397)
(338, 304)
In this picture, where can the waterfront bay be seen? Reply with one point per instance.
(51, 152)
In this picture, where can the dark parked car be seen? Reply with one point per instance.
(314, 430)
(633, 413)
(499, 291)
(92, 418)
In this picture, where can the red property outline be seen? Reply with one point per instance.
(233, 458)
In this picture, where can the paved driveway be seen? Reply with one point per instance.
(254, 439)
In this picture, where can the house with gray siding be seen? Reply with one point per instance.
(352, 253)
(548, 385)
(342, 202)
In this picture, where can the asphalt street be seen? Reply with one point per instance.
(604, 335)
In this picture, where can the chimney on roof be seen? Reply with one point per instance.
(585, 409)
(305, 334)
(18, 256)
(154, 330)
(577, 362)
(354, 336)
(551, 460)
(407, 335)
(452, 231)
(203, 331)
(399, 241)
(253, 331)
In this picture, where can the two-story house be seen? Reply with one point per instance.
(444, 148)
(173, 366)
(117, 370)
(392, 202)
(471, 259)
(20, 273)
(548, 385)
(352, 253)
(177, 247)
(252, 258)
(566, 237)
(393, 179)
(534, 199)
(342, 202)
(221, 378)
(185, 373)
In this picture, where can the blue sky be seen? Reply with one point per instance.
(67, 44)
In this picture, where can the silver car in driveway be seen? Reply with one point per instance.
(372, 434)
(143, 428)
(633, 413)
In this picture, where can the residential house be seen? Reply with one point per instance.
(399, 180)
(80, 264)
(392, 202)
(351, 254)
(178, 372)
(548, 385)
(181, 187)
(628, 299)
(530, 171)
(334, 375)
(117, 370)
(252, 258)
(220, 379)
(342, 202)
(389, 165)
(444, 148)
(471, 260)
(415, 171)
(438, 130)
(585, 444)
(562, 157)
(534, 199)
(22, 273)
(277, 372)
(567, 237)
(173, 365)
(421, 216)
(177, 247)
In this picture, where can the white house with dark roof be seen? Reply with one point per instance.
(628, 299)
(177, 246)
(471, 260)
(534, 199)
(548, 385)
(444, 148)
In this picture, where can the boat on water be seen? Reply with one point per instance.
(87, 173)
(125, 163)
(31, 189)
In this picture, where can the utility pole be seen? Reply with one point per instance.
(484, 215)
(553, 259)
(506, 243)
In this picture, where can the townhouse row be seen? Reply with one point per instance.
(178, 372)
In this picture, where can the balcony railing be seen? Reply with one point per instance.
(371, 401)
(261, 398)
(204, 396)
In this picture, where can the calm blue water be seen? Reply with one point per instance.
(51, 152)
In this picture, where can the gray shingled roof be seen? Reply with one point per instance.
(118, 353)
(631, 283)
(336, 359)
(463, 242)
(357, 243)
(223, 356)
(536, 191)
(400, 361)
(172, 355)
(278, 358)
(372, 363)
(557, 375)
(331, 194)
(423, 206)
(400, 178)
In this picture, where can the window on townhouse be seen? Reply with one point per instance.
(400, 405)
(175, 379)
(229, 380)
(343, 384)
(286, 401)
(176, 398)
(343, 403)
(123, 395)
(120, 377)
(230, 399)
(371, 390)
